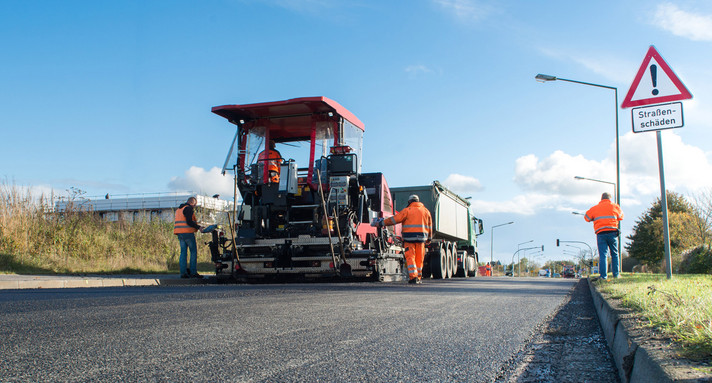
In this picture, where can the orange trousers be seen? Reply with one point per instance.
(414, 255)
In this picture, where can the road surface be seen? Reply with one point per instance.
(472, 330)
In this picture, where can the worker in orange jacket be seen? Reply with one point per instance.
(185, 227)
(417, 230)
(271, 158)
(605, 217)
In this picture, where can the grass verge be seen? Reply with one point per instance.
(680, 308)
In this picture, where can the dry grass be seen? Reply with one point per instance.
(34, 239)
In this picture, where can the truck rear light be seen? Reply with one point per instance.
(237, 266)
(331, 265)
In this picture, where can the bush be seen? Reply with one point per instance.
(697, 261)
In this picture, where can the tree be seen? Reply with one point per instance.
(646, 242)
(703, 206)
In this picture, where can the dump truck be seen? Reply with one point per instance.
(453, 249)
(303, 207)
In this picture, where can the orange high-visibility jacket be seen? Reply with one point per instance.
(417, 223)
(181, 224)
(605, 216)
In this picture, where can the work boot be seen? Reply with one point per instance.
(196, 275)
(419, 281)
(413, 281)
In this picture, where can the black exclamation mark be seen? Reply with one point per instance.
(654, 76)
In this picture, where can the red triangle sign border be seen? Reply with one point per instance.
(652, 53)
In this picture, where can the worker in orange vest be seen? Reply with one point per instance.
(488, 269)
(185, 227)
(417, 230)
(605, 217)
(271, 160)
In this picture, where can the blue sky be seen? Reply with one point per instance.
(115, 97)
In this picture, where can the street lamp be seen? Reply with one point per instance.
(518, 260)
(492, 240)
(615, 191)
(547, 78)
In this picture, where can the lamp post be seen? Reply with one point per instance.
(516, 255)
(492, 240)
(519, 267)
(547, 78)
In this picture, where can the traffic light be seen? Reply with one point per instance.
(557, 242)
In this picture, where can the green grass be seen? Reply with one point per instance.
(680, 308)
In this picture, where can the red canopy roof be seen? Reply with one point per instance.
(295, 113)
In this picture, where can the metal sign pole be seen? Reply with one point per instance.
(663, 205)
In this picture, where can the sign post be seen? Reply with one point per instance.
(657, 89)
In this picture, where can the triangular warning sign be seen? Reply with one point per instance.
(655, 83)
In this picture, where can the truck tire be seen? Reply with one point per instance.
(463, 271)
(438, 263)
(449, 257)
(453, 250)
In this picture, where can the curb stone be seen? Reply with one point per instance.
(20, 282)
(639, 357)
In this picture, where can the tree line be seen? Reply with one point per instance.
(689, 223)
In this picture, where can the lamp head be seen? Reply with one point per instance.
(545, 77)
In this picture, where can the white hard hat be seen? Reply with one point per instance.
(413, 198)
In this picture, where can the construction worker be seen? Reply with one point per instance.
(605, 217)
(271, 160)
(417, 230)
(185, 227)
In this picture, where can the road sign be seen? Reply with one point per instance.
(655, 83)
(657, 117)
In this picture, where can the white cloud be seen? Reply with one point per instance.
(549, 183)
(466, 10)
(687, 167)
(414, 70)
(684, 24)
(555, 174)
(198, 180)
(462, 184)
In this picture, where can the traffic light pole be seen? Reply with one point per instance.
(584, 243)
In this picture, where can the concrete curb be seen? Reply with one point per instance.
(19, 282)
(637, 357)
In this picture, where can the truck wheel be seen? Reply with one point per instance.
(463, 271)
(438, 263)
(449, 257)
(453, 250)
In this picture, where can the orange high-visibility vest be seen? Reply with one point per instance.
(181, 224)
(605, 216)
(416, 220)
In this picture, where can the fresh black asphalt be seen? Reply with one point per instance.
(441, 331)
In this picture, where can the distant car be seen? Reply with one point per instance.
(569, 271)
(543, 273)
(557, 275)
(509, 273)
